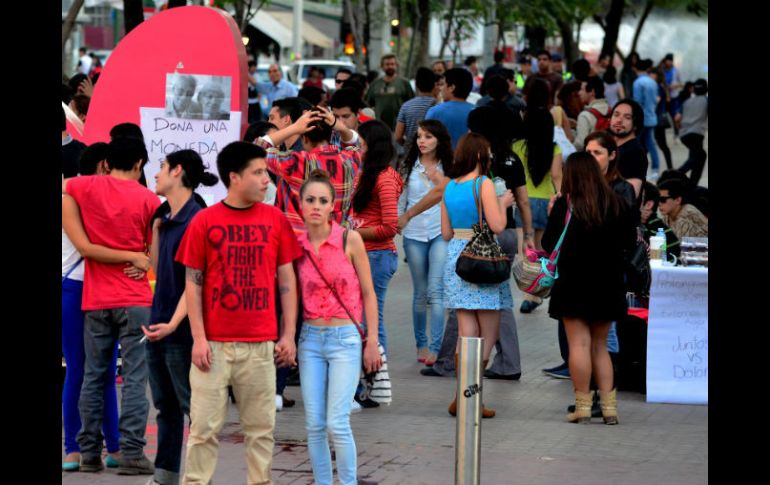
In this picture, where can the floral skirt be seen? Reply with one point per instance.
(460, 294)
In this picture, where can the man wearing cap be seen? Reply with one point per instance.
(525, 70)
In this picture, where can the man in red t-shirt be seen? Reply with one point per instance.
(232, 252)
(116, 212)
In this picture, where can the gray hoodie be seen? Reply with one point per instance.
(586, 121)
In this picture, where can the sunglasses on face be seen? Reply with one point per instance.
(664, 198)
(338, 81)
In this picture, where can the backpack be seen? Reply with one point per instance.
(602, 122)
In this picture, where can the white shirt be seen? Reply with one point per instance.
(426, 225)
(85, 64)
(70, 256)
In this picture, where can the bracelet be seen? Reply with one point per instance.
(529, 235)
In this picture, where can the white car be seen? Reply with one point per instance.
(300, 70)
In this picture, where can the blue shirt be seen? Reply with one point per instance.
(454, 115)
(645, 92)
(170, 277)
(283, 89)
(460, 203)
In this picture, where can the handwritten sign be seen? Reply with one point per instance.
(164, 134)
(677, 336)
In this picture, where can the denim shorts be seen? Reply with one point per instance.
(539, 208)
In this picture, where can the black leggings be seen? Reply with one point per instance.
(697, 159)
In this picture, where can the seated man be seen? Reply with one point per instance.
(685, 219)
(651, 221)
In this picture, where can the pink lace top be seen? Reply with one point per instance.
(317, 299)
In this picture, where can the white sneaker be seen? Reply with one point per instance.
(654, 175)
(355, 407)
(278, 402)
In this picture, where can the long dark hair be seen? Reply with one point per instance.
(379, 154)
(499, 131)
(443, 149)
(538, 133)
(591, 197)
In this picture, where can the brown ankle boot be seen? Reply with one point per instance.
(609, 404)
(486, 412)
(582, 413)
(453, 407)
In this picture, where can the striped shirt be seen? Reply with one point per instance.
(411, 113)
(382, 211)
(292, 168)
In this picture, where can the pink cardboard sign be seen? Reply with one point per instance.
(183, 40)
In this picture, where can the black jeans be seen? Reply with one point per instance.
(697, 159)
(660, 139)
(169, 368)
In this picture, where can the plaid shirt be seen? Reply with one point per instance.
(292, 168)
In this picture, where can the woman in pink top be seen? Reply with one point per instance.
(336, 284)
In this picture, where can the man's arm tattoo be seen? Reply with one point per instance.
(194, 275)
(283, 289)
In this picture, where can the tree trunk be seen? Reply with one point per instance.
(133, 14)
(647, 9)
(449, 19)
(612, 29)
(176, 3)
(535, 38)
(355, 29)
(423, 26)
(568, 42)
(68, 26)
(367, 36)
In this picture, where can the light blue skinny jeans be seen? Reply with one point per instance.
(329, 368)
(426, 264)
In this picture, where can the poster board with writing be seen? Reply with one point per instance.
(164, 134)
(677, 336)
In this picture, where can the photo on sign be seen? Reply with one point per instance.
(198, 96)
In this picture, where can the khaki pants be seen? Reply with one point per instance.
(249, 368)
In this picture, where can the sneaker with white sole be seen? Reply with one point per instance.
(278, 402)
(355, 408)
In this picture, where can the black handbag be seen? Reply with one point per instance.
(638, 273)
(483, 261)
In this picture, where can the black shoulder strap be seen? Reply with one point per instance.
(345, 240)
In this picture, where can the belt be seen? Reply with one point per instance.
(464, 234)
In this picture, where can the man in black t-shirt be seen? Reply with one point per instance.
(626, 118)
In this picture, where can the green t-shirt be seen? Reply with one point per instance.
(546, 189)
(387, 97)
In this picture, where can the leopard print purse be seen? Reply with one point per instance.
(483, 261)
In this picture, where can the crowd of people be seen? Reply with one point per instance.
(287, 276)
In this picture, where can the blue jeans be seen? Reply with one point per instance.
(74, 356)
(426, 264)
(383, 264)
(329, 368)
(648, 141)
(103, 329)
(168, 364)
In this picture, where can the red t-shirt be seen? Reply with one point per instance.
(239, 251)
(116, 213)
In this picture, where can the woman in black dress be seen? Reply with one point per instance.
(589, 292)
